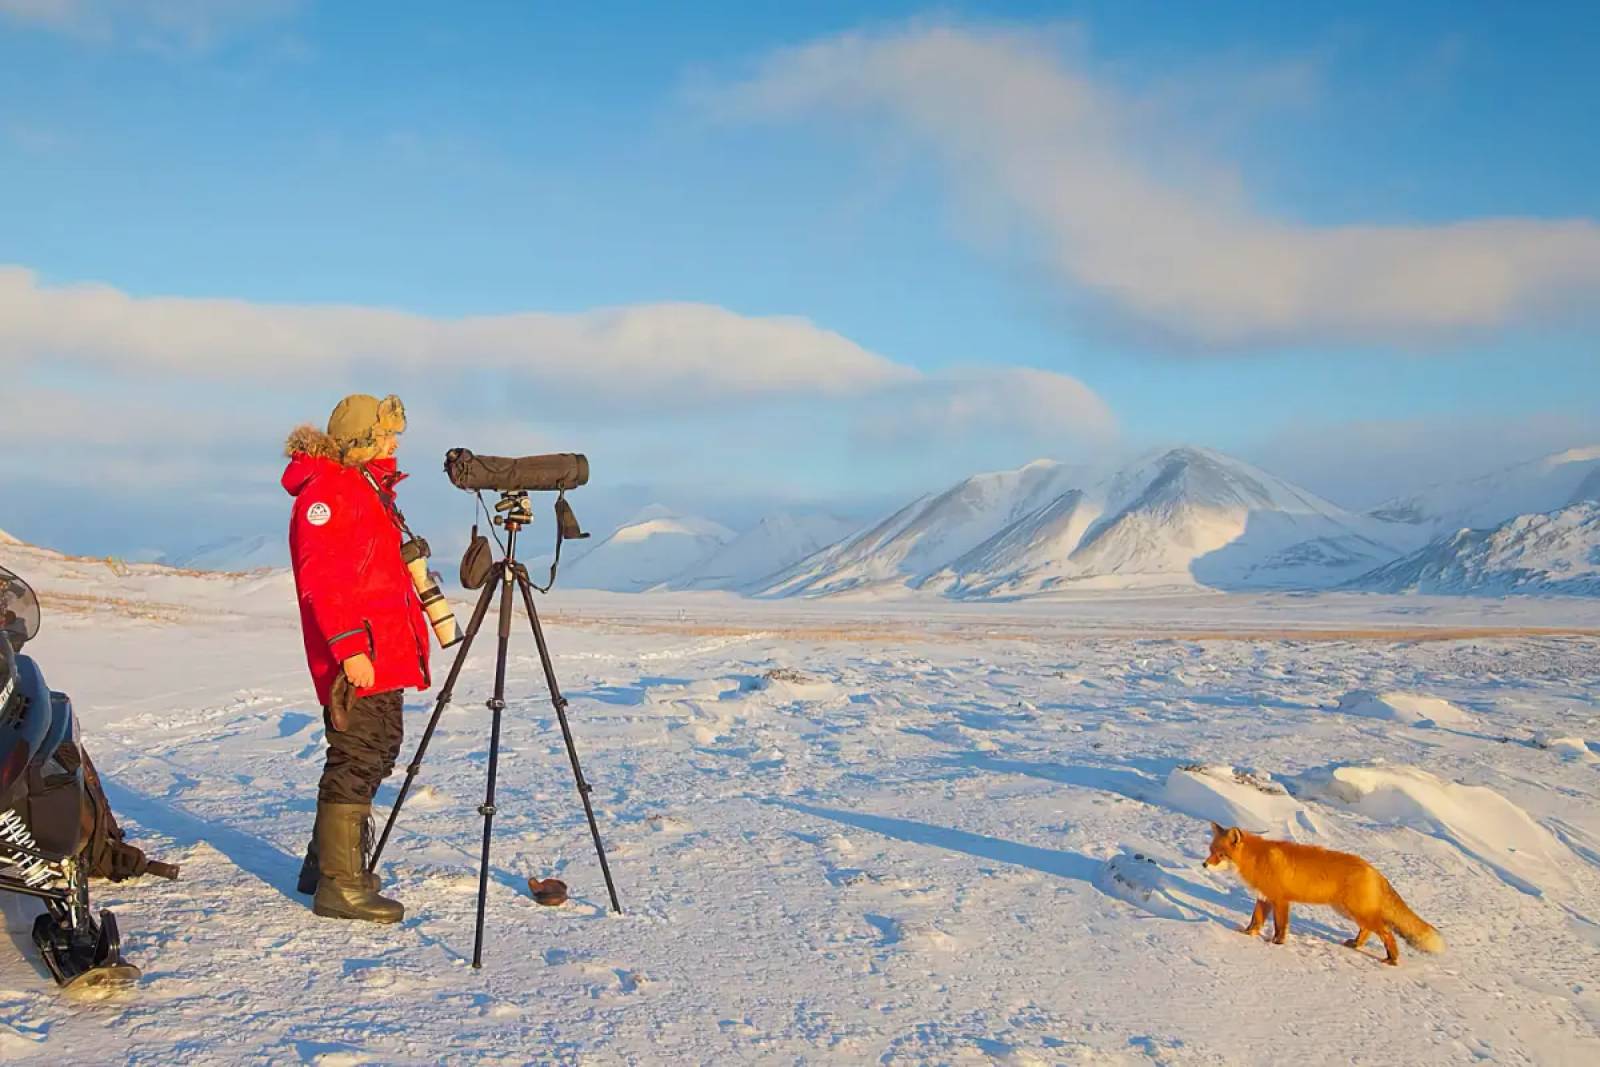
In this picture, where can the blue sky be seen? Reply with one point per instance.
(1258, 232)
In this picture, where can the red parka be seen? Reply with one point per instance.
(355, 592)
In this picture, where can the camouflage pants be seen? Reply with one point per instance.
(362, 754)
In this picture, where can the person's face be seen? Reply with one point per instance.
(388, 445)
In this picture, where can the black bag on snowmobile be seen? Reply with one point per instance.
(46, 811)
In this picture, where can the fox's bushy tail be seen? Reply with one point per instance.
(1418, 934)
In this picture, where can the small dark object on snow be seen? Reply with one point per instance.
(512, 513)
(549, 892)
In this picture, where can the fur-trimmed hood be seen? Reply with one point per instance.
(312, 453)
(307, 440)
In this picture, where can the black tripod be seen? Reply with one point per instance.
(507, 573)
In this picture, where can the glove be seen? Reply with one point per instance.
(343, 695)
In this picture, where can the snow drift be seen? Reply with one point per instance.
(1249, 800)
(1412, 709)
(1479, 821)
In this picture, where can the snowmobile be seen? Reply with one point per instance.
(44, 797)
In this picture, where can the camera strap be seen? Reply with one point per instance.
(554, 563)
(555, 560)
(387, 500)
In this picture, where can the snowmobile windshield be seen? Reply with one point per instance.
(19, 608)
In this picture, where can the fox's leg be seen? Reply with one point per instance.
(1257, 917)
(1280, 922)
(1384, 932)
(1360, 938)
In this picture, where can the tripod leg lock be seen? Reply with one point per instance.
(495, 704)
(486, 810)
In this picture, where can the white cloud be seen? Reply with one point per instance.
(146, 394)
(1016, 402)
(1193, 258)
(683, 353)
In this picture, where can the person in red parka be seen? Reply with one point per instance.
(366, 637)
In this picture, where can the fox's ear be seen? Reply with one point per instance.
(1234, 836)
(1217, 830)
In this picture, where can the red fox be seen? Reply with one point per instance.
(1284, 873)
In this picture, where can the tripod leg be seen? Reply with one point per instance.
(560, 702)
(438, 709)
(497, 704)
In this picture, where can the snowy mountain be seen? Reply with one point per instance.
(1183, 517)
(649, 549)
(117, 585)
(1189, 516)
(1556, 552)
(775, 543)
(244, 553)
(1541, 485)
(927, 533)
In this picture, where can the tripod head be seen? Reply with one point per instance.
(514, 510)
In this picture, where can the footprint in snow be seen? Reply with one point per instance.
(1139, 880)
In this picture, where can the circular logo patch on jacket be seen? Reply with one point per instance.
(318, 514)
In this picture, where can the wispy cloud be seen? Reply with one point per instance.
(1030, 406)
(166, 25)
(1184, 253)
(32, 139)
(663, 353)
(144, 397)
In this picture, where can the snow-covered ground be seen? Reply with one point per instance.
(898, 832)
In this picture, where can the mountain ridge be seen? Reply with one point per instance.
(1150, 523)
(1555, 552)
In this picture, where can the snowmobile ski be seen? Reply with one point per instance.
(84, 957)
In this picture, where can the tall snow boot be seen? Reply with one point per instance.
(309, 869)
(343, 888)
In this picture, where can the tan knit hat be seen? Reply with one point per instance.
(357, 421)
